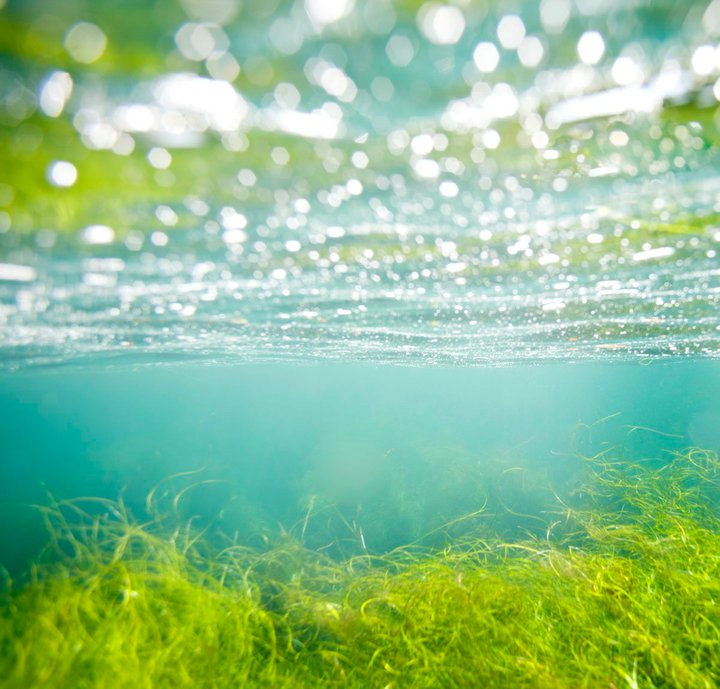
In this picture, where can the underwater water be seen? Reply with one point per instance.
(360, 343)
(398, 451)
(288, 524)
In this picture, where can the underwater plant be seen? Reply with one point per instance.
(621, 591)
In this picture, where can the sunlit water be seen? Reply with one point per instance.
(380, 181)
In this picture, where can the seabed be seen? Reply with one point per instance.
(618, 589)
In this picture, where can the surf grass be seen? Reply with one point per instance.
(623, 591)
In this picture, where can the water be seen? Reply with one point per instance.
(358, 277)
(538, 182)
(399, 450)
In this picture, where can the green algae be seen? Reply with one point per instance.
(620, 590)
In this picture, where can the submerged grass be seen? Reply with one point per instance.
(623, 591)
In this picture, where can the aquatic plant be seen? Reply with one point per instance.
(621, 591)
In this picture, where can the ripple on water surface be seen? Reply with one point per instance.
(382, 181)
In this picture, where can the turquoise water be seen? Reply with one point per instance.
(388, 452)
(354, 266)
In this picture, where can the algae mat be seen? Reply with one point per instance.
(621, 591)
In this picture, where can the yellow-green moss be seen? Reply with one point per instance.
(623, 591)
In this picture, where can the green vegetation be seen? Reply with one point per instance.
(621, 591)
